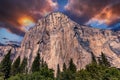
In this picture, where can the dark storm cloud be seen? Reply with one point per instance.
(12, 10)
(115, 13)
(88, 9)
(116, 8)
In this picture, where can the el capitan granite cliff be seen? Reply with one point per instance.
(58, 39)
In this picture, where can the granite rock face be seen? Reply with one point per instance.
(58, 39)
(4, 50)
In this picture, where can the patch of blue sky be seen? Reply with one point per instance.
(96, 24)
(9, 36)
(62, 4)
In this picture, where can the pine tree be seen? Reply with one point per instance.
(58, 71)
(72, 66)
(16, 66)
(36, 63)
(45, 65)
(6, 65)
(93, 58)
(23, 66)
(64, 67)
(104, 61)
(42, 63)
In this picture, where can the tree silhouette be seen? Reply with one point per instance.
(64, 67)
(36, 63)
(72, 66)
(6, 65)
(104, 60)
(23, 66)
(93, 58)
(16, 66)
(58, 71)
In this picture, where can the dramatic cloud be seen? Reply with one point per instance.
(16, 14)
(107, 11)
(110, 15)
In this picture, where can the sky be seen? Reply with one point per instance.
(17, 16)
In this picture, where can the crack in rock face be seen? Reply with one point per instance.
(58, 39)
(115, 46)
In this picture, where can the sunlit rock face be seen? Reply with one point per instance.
(58, 39)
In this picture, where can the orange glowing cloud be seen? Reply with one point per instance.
(17, 15)
(108, 15)
(25, 21)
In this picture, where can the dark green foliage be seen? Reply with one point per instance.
(58, 71)
(67, 75)
(64, 67)
(72, 66)
(43, 64)
(93, 71)
(111, 74)
(6, 65)
(98, 72)
(36, 63)
(15, 66)
(104, 60)
(83, 75)
(23, 66)
(47, 72)
(93, 58)
(43, 74)
(33, 76)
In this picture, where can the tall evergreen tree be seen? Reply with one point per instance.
(93, 58)
(58, 71)
(6, 65)
(16, 66)
(36, 63)
(43, 63)
(72, 66)
(64, 67)
(105, 61)
(23, 66)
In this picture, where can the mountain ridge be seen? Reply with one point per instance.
(58, 39)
